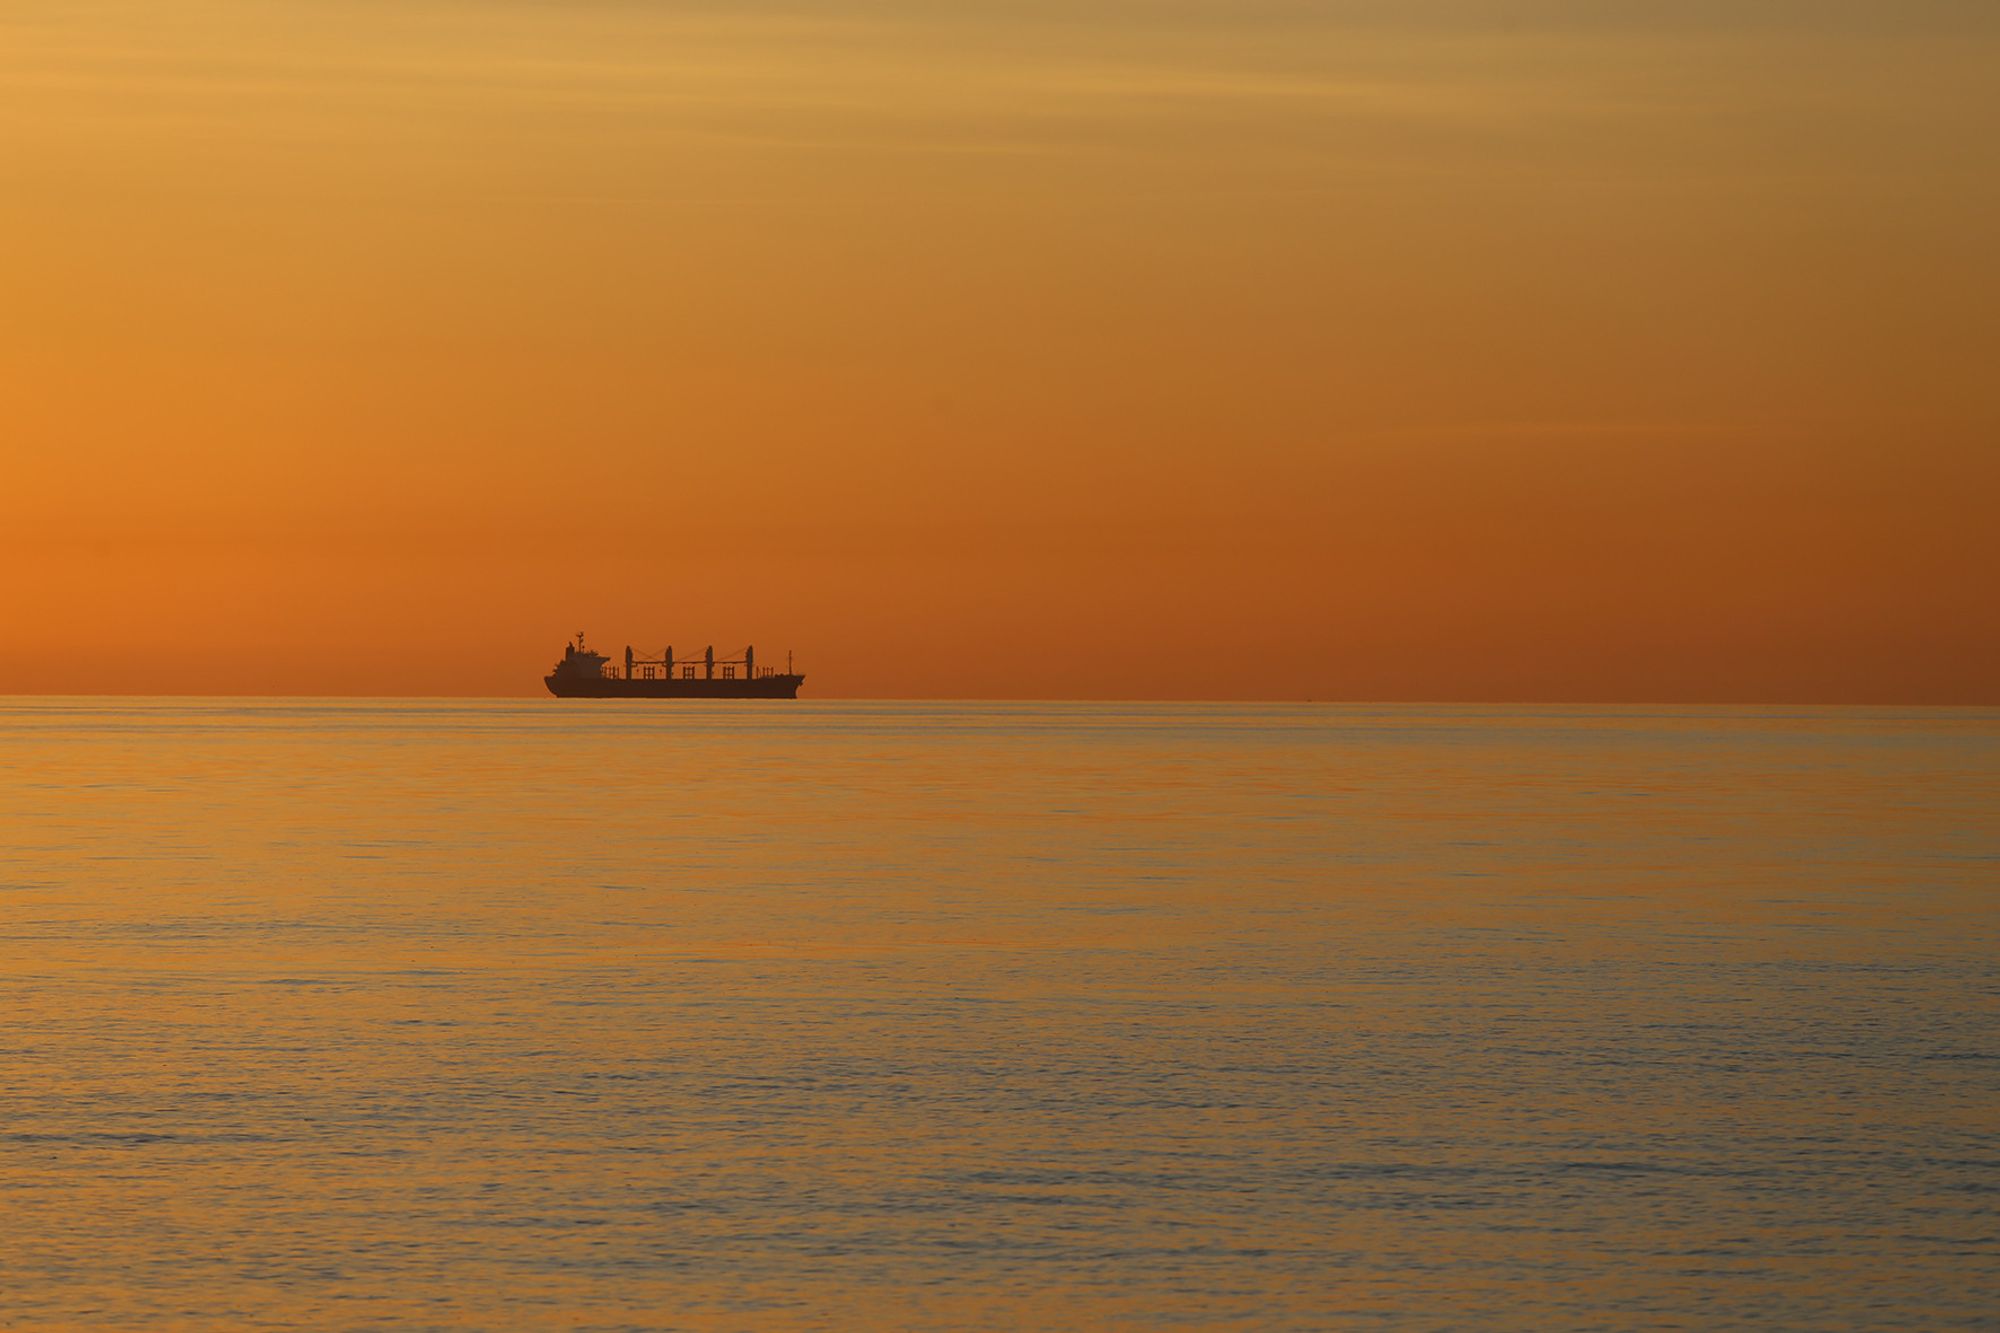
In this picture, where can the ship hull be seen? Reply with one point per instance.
(614, 687)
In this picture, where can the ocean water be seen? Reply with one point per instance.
(610, 1016)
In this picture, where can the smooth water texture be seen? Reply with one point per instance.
(596, 1015)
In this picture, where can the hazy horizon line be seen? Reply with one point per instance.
(700, 704)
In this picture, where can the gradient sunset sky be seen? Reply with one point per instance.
(1388, 349)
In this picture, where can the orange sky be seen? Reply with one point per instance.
(1209, 348)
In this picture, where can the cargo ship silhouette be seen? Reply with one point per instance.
(586, 674)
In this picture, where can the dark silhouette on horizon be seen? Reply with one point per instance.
(583, 674)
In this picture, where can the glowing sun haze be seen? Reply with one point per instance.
(1209, 348)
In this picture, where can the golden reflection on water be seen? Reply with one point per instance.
(532, 1014)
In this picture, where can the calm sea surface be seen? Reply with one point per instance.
(572, 1015)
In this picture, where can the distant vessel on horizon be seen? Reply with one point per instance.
(585, 673)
